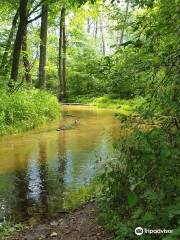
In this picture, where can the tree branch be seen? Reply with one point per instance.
(34, 19)
(36, 7)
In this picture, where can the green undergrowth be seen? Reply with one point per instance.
(122, 106)
(8, 229)
(26, 109)
(77, 197)
(140, 185)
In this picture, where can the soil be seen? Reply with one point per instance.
(82, 224)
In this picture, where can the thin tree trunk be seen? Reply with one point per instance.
(88, 25)
(9, 42)
(26, 59)
(102, 37)
(43, 46)
(19, 39)
(125, 22)
(118, 38)
(62, 56)
(96, 29)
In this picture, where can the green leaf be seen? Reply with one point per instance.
(148, 217)
(132, 199)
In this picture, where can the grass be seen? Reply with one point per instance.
(8, 229)
(26, 109)
(77, 197)
(122, 106)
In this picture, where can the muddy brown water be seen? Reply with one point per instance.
(38, 166)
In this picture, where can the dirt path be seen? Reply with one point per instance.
(81, 224)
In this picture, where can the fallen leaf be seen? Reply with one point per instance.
(54, 234)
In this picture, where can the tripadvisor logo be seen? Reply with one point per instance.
(139, 231)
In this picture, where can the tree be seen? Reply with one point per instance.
(102, 36)
(96, 29)
(9, 41)
(19, 39)
(125, 22)
(26, 58)
(43, 46)
(62, 55)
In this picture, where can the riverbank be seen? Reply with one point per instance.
(80, 224)
(26, 109)
(122, 106)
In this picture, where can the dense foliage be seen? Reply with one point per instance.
(26, 109)
(140, 185)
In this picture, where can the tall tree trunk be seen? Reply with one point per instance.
(62, 55)
(95, 29)
(43, 46)
(19, 39)
(102, 36)
(26, 58)
(9, 42)
(125, 22)
(88, 25)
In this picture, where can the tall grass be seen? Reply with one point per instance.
(26, 109)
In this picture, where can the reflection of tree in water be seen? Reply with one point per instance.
(43, 174)
(49, 183)
(61, 165)
(21, 189)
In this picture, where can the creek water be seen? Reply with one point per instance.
(39, 166)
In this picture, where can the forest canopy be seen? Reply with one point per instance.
(121, 48)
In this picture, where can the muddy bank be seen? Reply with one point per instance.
(82, 224)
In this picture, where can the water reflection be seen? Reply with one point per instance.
(38, 167)
(20, 188)
(43, 172)
(62, 166)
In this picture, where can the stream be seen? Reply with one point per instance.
(39, 166)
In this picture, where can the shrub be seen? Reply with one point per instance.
(26, 109)
(140, 186)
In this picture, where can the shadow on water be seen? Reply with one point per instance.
(61, 167)
(43, 175)
(21, 189)
(38, 167)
